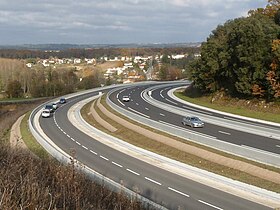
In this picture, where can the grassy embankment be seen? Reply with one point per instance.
(232, 106)
(162, 149)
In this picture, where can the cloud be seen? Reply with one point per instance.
(116, 21)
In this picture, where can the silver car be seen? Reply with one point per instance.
(194, 122)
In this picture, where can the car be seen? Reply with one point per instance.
(62, 101)
(125, 99)
(194, 122)
(54, 105)
(46, 113)
(49, 107)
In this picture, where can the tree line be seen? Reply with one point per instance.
(93, 53)
(241, 57)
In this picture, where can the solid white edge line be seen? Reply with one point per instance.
(177, 191)
(171, 101)
(121, 102)
(117, 164)
(151, 180)
(103, 157)
(208, 204)
(259, 150)
(132, 172)
(138, 112)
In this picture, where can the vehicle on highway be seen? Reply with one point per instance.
(46, 113)
(194, 122)
(49, 107)
(125, 99)
(62, 101)
(54, 105)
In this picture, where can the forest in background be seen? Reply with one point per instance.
(242, 56)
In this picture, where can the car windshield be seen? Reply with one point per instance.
(196, 119)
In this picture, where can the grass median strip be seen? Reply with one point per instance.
(160, 148)
(29, 140)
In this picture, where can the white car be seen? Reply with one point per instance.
(46, 113)
(54, 105)
(125, 98)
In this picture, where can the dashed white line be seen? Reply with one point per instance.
(226, 133)
(72, 139)
(117, 164)
(85, 147)
(278, 146)
(146, 108)
(132, 172)
(179, 192)
(208, 204)
(137, 104)
(162, 114)
(104, 157)
(68, 135)
(78, 143)
(93, 152)
(151, 180)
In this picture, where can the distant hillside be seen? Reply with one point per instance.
(89, 46)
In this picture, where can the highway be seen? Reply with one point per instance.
(163, 187)
(260, 137)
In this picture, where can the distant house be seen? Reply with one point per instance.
(29, 65)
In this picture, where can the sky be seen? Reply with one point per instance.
(116, 21)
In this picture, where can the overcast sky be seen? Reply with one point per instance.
(115, 21)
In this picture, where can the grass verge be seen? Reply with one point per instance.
(29, 140)
(162, 149)
(243, 111)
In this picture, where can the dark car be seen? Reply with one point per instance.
(194, 122)
(62, 101)
(49, 107)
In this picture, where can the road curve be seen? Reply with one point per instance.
(163, 187)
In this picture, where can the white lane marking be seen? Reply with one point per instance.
(78, 143)
(137, 104)
(68, 135)
(121, 102)
(118, 95)
(84, 147)
(64, 132)
(171, 101)
(160, 93)
(132, 172)
(151, 180)
(138, 112)
(104, 157)
(179, 192)
(73, 139)
(146, 108)
(208, 204)
(93, 152)
(162, 114)
(278, 146)
(259, 150)
(117, 164)
(224, 133)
